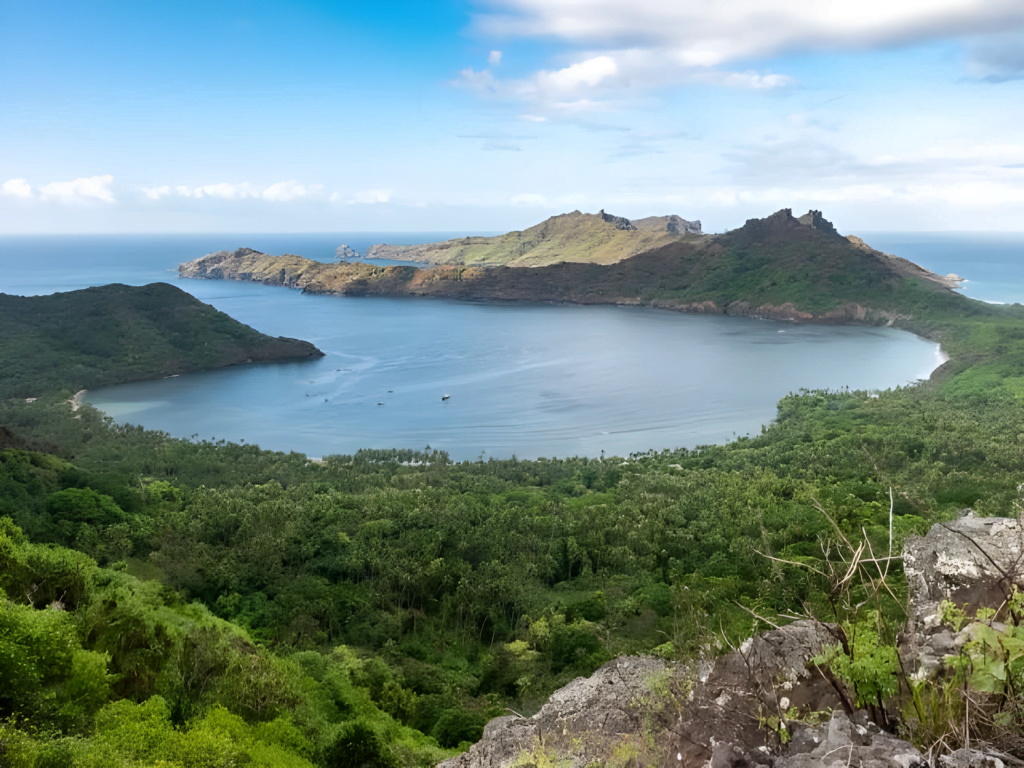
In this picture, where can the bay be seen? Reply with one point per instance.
(529, 380)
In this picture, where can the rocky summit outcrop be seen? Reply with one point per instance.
(973, 562)
(345, 252)
(583, 721)
(767, 704)
(721, 715)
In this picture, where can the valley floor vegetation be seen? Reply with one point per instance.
(177, 603)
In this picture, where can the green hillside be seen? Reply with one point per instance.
(573, 237)
(117, 333)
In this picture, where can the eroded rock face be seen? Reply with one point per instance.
(581, 722)
(765, 677)
(639, 703)
(843, 741)
(974, 560)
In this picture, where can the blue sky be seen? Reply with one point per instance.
(342, 116)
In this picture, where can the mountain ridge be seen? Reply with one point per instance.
(592, 238)
(780, 267)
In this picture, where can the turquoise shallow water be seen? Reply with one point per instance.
(524, 379)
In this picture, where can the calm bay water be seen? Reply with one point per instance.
(524, 379)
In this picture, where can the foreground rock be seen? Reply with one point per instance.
(584, 721)
(727, 715)
(973, 561)
(765, 704)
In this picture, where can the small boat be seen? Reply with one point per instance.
(444, 397)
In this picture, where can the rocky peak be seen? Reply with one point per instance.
(677, 225)
(345, 252)
(619, 222)
(818, 221)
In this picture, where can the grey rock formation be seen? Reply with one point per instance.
(722, 720)
(843, 742)
(580, 723)
(765, 677)
(817, 220)
(677, 225)
(973, 758)
(345, 252)
(619, 222)
(973, 560)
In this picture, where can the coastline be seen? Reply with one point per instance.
(77, 399)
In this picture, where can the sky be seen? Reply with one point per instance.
(490, 115)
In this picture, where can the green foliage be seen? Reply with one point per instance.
(117, 333)
(870, 668)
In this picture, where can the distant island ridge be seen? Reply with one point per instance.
(589, 238)
(781, 267)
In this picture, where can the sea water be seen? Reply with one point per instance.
(521, 379)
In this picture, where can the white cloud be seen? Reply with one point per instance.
(583, 74)
(155, 193)
(288, 190)
(600, 82)
(370, 196)
(711, 32)
(529, 199)
(494, 58)
(224, 190)
(16, 188)
(79, 190)
(647, 43)
(282, 191)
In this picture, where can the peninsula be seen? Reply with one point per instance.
(118, 333)
(780, 267)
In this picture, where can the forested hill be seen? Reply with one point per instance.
(780, 266)
(118, 333)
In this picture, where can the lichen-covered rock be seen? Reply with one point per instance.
(764, 678)
(842, 742)
(703, 716)
(973, 561)
(580, 723)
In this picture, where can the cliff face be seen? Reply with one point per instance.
(576, 237)
(779, 267)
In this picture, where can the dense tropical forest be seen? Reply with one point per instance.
(112, 334)
(178, 603)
